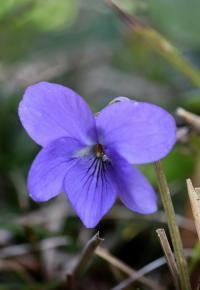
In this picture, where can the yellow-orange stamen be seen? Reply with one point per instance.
(98, 150)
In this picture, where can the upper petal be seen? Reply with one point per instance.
(91, 188)
(49, 111)
(140, 132)
(135, 191)
(45, 179)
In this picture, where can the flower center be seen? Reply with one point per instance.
(99, 151)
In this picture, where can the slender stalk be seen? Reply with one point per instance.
(173, 228)
(170, 259)
(159, 43)
(171, 54)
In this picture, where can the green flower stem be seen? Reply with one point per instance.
(160, 44)
(173, 228)
(170, 53)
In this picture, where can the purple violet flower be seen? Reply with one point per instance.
(89, 157)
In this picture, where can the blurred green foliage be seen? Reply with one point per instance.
(178, 19)
(46, 15)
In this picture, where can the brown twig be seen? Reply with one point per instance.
(147, 269)
(191, 119)
(169, 256)
(104, 254)
(83, 260)
(194, 196)
(129, 19)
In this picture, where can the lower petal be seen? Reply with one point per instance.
(45, 179)
(135, 191)
(91, 188)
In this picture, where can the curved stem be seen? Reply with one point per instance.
(159, 43)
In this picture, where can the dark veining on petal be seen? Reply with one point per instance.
(98, 164)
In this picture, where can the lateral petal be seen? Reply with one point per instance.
(140, 132)
(134, 189)
(46, 175)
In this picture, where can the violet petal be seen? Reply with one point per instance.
(45, 179)
(49, 111)
(135, 191)
(91, 188)
(140, 132)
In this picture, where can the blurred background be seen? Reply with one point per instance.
(84, 45)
